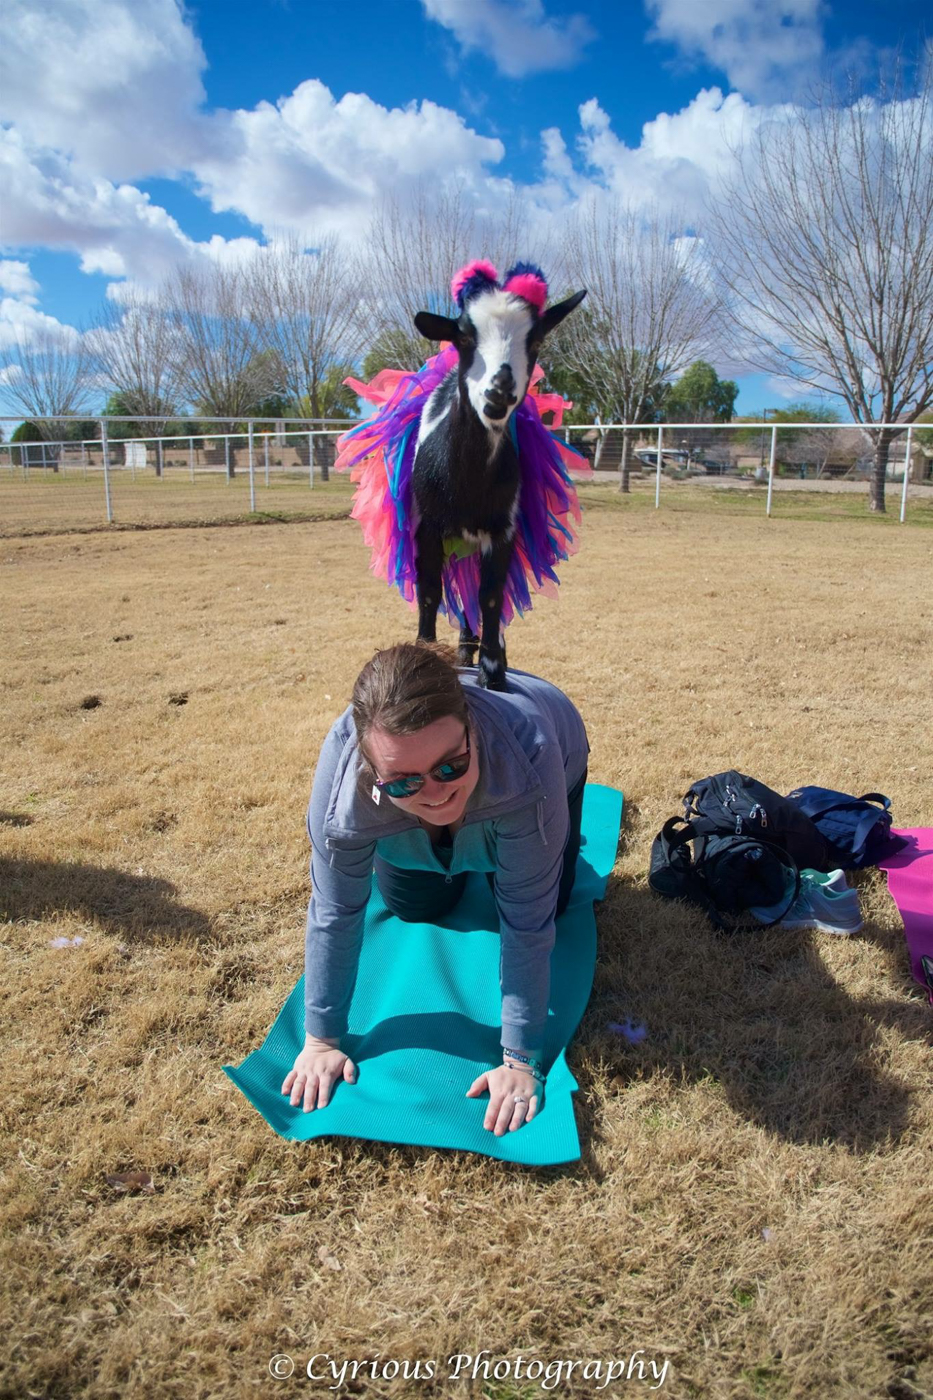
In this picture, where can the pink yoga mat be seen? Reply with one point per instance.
(910, 882)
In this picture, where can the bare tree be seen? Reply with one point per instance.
(132, 346)
(306, 306)
(649, 312)
(413, 249)
(46, 376)
(220, 364)
(416, 244)
(825, 241)
(223, 367)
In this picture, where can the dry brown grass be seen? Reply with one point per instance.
(784, 1086)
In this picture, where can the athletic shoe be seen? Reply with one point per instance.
(825, 902)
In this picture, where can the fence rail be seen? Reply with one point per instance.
(57, 483)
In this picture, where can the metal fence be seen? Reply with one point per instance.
(207, 476)
(260, 469)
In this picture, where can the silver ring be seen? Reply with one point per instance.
(519, 1098)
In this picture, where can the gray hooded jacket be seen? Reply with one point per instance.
(532, 748)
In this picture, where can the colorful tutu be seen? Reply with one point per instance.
(380, 455)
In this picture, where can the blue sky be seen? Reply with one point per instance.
(137, 133)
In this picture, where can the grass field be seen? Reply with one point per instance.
(754, 1203)
(53, 503)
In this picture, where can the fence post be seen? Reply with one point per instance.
(84, 457)
(266, 438)
(44, 462)
(227, 455)
(657, 480)
(910, 433)
(771, 467)
(311, 459)
(105, 448)
(252, 470)
(191, 457)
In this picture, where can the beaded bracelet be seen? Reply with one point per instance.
(529, 1067)
(525, 1059)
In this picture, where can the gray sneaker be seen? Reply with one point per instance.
(825, 902)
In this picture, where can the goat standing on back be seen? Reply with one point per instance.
(465, 458)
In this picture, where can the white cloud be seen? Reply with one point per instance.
(517, 35)
(765, 47)
(18, 281)
(20, 322)
(311, 161)
(116, 85)
(678, 162)
(52, 202)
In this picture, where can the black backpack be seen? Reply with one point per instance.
(733, 804)
(724, 874)
(748, 845)
(856, 831)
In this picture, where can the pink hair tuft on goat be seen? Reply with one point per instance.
(529, 286)
(480, 269)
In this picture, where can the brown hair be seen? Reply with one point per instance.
(407, 687)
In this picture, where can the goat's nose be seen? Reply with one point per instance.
(502, 385)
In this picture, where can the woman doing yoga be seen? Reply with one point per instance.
(425, 777)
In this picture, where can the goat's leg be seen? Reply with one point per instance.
(429, 565)
(466, 652)
(494, 568)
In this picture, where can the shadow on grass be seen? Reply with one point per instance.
(138, 907)
(756, 1016)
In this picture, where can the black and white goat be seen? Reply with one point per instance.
(466, 478)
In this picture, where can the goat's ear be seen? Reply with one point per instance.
(555, 314)
(434, 327)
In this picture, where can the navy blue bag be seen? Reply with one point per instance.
(856, 830)
(733, 804)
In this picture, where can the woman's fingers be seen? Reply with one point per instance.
(313, 1079)
(511, 1114)
(324, 1085)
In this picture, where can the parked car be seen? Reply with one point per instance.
(670, 457)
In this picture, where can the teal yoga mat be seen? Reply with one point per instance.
(425, 1020)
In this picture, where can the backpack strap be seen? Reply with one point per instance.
(672, 872)
(863, 828)
(876, 797)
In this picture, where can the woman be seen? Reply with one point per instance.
(424, 777)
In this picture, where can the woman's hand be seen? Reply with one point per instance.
(503, 1113)
(318, 1067)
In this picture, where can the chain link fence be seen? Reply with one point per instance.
(53, 485)
(260, 470)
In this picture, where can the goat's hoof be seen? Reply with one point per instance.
(491, 674)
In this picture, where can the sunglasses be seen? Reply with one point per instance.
(447, 772)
